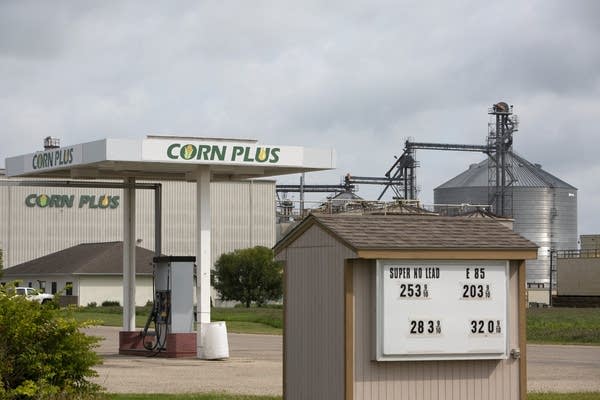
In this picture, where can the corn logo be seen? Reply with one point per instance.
(67, 201)
(104, 202)
(262, 155)
(188, 152)
(42, 201)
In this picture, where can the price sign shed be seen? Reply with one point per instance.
(404, 307)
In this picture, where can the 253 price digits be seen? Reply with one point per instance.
(425, 327)
(485, 326)
(414, 290)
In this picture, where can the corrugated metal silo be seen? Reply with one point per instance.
(544, 208)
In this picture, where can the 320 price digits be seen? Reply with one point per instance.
(425, 327)
(485, 326)
(414, 290)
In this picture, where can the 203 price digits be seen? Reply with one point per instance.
(476, 291)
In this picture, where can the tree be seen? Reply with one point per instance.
(43, 353)
(249, 275)
(1, 262)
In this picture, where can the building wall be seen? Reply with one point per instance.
(590, 242)
(95, 288)
(243, 215)
(314, 282)
(32, 232)
(91, 288)
(46, 280)
(578, 276)
(441, 380)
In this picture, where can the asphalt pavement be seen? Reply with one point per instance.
(255, 367)
(552, 368)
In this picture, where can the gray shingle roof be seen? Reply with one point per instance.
(383, 232)
(89, 258)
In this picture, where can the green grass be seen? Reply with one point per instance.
(564, 396)
(108, 316)
(213, 396)
(259, 320)
(563, 325)
(251, 320)
(217, 396)
(544, 325)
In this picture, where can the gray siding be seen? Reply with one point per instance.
(243, 215)
(578, 277)
(314, 351)
(35, 232)
(442, 380)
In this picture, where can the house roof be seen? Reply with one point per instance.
(409, 232)
(84, 259)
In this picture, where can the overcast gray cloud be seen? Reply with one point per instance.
(358, 76)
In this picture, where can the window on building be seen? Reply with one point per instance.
(54, 288)
(42, 286)
(30, 284)
(69, 289)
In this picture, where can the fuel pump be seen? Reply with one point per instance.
(172, 310)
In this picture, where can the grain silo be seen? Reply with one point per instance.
(544, 209)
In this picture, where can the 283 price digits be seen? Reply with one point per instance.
(425, 327)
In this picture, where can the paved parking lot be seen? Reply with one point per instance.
(255, 367)
(563, 368)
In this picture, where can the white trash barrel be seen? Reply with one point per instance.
(216, 346)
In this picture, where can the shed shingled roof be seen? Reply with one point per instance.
(89, 258)
(389, 232)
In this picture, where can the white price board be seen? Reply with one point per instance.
(441, 310)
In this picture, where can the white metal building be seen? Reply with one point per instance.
(40, 220)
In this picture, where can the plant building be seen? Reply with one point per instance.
(36, 221)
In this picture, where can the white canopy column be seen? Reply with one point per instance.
(203, 258)
(129, 242)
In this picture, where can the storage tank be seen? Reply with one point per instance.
(544, 209)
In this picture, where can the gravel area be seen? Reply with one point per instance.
(255, 367)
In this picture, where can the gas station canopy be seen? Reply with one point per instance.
(170, 158)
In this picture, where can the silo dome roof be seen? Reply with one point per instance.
(526, 174)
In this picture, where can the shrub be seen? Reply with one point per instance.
(43, 353)
(93, 304)
(110, 303)
(248, 275)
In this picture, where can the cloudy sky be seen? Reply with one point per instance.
(360, 77)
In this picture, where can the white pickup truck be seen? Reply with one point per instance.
(34, 295)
